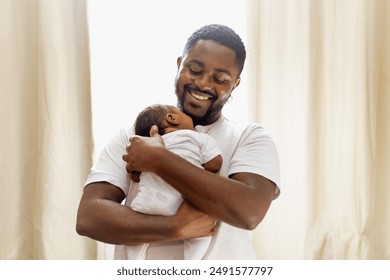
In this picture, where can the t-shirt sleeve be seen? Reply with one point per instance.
(109, 166)
(256, 153)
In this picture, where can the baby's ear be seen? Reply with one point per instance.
(172, 119)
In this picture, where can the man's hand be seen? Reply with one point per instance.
(101, 202)
(142, 152)
(192, 223)
(135, 176)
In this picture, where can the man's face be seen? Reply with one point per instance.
(205, 79)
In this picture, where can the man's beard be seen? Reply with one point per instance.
(197, 120)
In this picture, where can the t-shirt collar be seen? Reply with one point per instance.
(208, 128)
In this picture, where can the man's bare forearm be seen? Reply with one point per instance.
(108, 221)
(102, 217)
(242, 200)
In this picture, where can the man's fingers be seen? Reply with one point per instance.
(153, 131)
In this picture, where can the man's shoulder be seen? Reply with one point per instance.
(241, 127)
(121, 137)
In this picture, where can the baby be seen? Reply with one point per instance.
(155, 196)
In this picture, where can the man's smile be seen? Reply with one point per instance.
(200, 95)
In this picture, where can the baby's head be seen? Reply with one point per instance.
(167, 118)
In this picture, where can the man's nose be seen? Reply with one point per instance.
(204, 82)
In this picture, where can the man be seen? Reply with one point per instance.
(226, 206)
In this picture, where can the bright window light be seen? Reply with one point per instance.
(134, 46)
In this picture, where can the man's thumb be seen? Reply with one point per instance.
(153, 131)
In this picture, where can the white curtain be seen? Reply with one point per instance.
(319, 79)
(45, 137)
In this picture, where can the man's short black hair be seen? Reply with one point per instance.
(220, 34)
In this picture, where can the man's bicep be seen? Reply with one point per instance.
(103, 190)
(257, 154)
(260, 184)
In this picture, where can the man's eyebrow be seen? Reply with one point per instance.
(200, 63)
(197, 62)
(223, 70)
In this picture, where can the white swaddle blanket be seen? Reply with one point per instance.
(156, 197)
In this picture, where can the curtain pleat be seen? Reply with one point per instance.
(319, 80)
(46, 137)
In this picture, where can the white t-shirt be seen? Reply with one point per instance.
(245, 148)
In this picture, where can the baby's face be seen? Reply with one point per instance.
(185, 121)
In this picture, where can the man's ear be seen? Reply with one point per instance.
(178, 61)
(172, 119)
(237, 82)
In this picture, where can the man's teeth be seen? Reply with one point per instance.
(199, 97)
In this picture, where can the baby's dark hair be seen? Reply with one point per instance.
(220, 34)
(151, 115)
